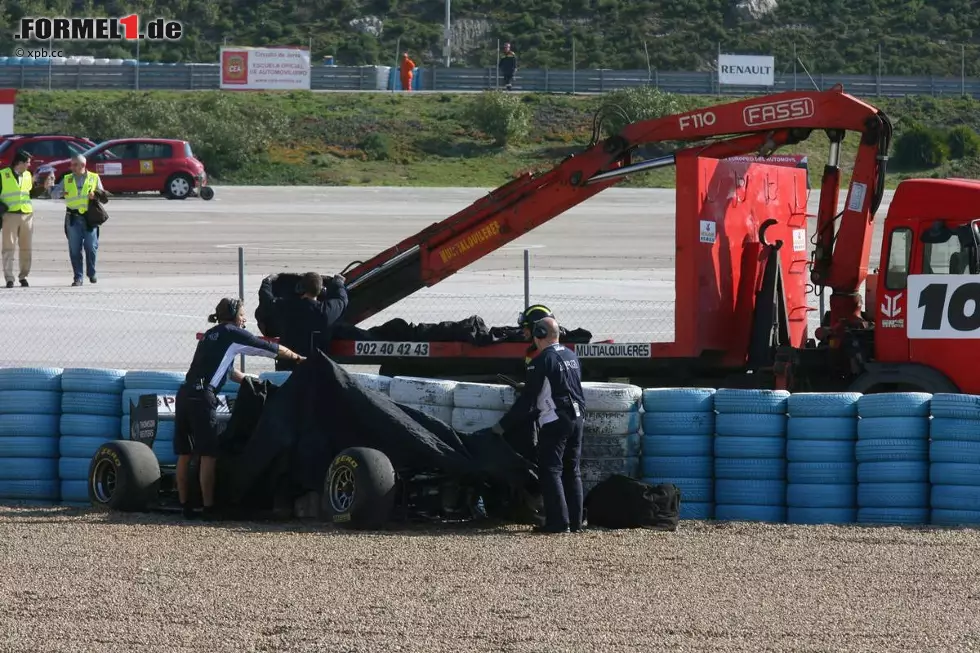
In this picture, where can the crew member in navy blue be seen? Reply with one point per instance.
(307, 321)
(195, 417)
(553, 389)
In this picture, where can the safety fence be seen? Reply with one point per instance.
(735, 455)
(378, 78)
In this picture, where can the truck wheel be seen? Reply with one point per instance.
(207, 193)
(179, 186)
(124, 475)
(359, 490)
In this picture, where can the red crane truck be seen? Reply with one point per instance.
(741, 260)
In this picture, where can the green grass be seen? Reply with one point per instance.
(395, 140)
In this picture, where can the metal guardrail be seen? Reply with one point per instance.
(373, 78)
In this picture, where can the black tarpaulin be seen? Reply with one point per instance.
(471, 330)
(321, 410)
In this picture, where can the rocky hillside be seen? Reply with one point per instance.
(830, 36)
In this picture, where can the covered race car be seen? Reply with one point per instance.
(367, 459)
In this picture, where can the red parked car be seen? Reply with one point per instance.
(43, 148)
(139, 165)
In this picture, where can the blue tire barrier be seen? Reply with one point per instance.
(940, 451)
(103, 381)
(819, 495)
(760, 425)
(828, 473)
(693, 490)
(767, 514)
(28, 469)
(955, 497)
(593, 446)
(895, 404)
(679, 400)
(90, 426)
(30, 402)
(750, 469)
(881, 451)
(153, 380)
(750, 493)
(893, 516)
(822, 428)
(91, 403)
(77, 447)
(739, 401)
(678, 423)
(954, 428)
(748, 447)
(952, 517)
(75, 492)
(31, 378)
(18, 447)
(73, 469)
(678, 445)
(951, 406)
(814, 516)
(893, 495)
(677, 466)
(820, 451)
(893, 428)
(695, 510)
(893, 472)
(823, 405)
(31, 426)
(947, 474)
(45, 490)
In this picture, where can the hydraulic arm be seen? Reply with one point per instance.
(758, 125)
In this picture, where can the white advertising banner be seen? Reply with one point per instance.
(265, 69)
(746, 70)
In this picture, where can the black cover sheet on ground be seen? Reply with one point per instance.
(471, 330)
(321, 410)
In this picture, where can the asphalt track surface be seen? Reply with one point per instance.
(606, 265)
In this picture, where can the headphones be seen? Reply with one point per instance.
(540, 330)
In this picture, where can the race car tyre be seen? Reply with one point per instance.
(895, 404)
(82, 379)
(123, 475)
(30, 402)
(415, 390)
(952, 406)
(679, 400)
(359, 491)
(823, 404)
(178, 186)
(207, 193)
(483, 396)
(91, 403)
(31, 378)
(612, 397)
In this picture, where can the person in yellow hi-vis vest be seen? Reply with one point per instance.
(18, 216)
(78, 188)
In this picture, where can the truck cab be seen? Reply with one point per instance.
(925, 298)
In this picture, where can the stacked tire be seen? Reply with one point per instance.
(954, 456)
(750, 455)
(433, 397)
(91, 408)
(892, 453)
(30, 405)
(479, 406)
(821, 474)
(612, 417)
(678, 445)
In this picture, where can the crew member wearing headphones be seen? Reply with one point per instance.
(553, 389)
(195, 413)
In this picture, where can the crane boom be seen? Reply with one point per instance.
(840, 258)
